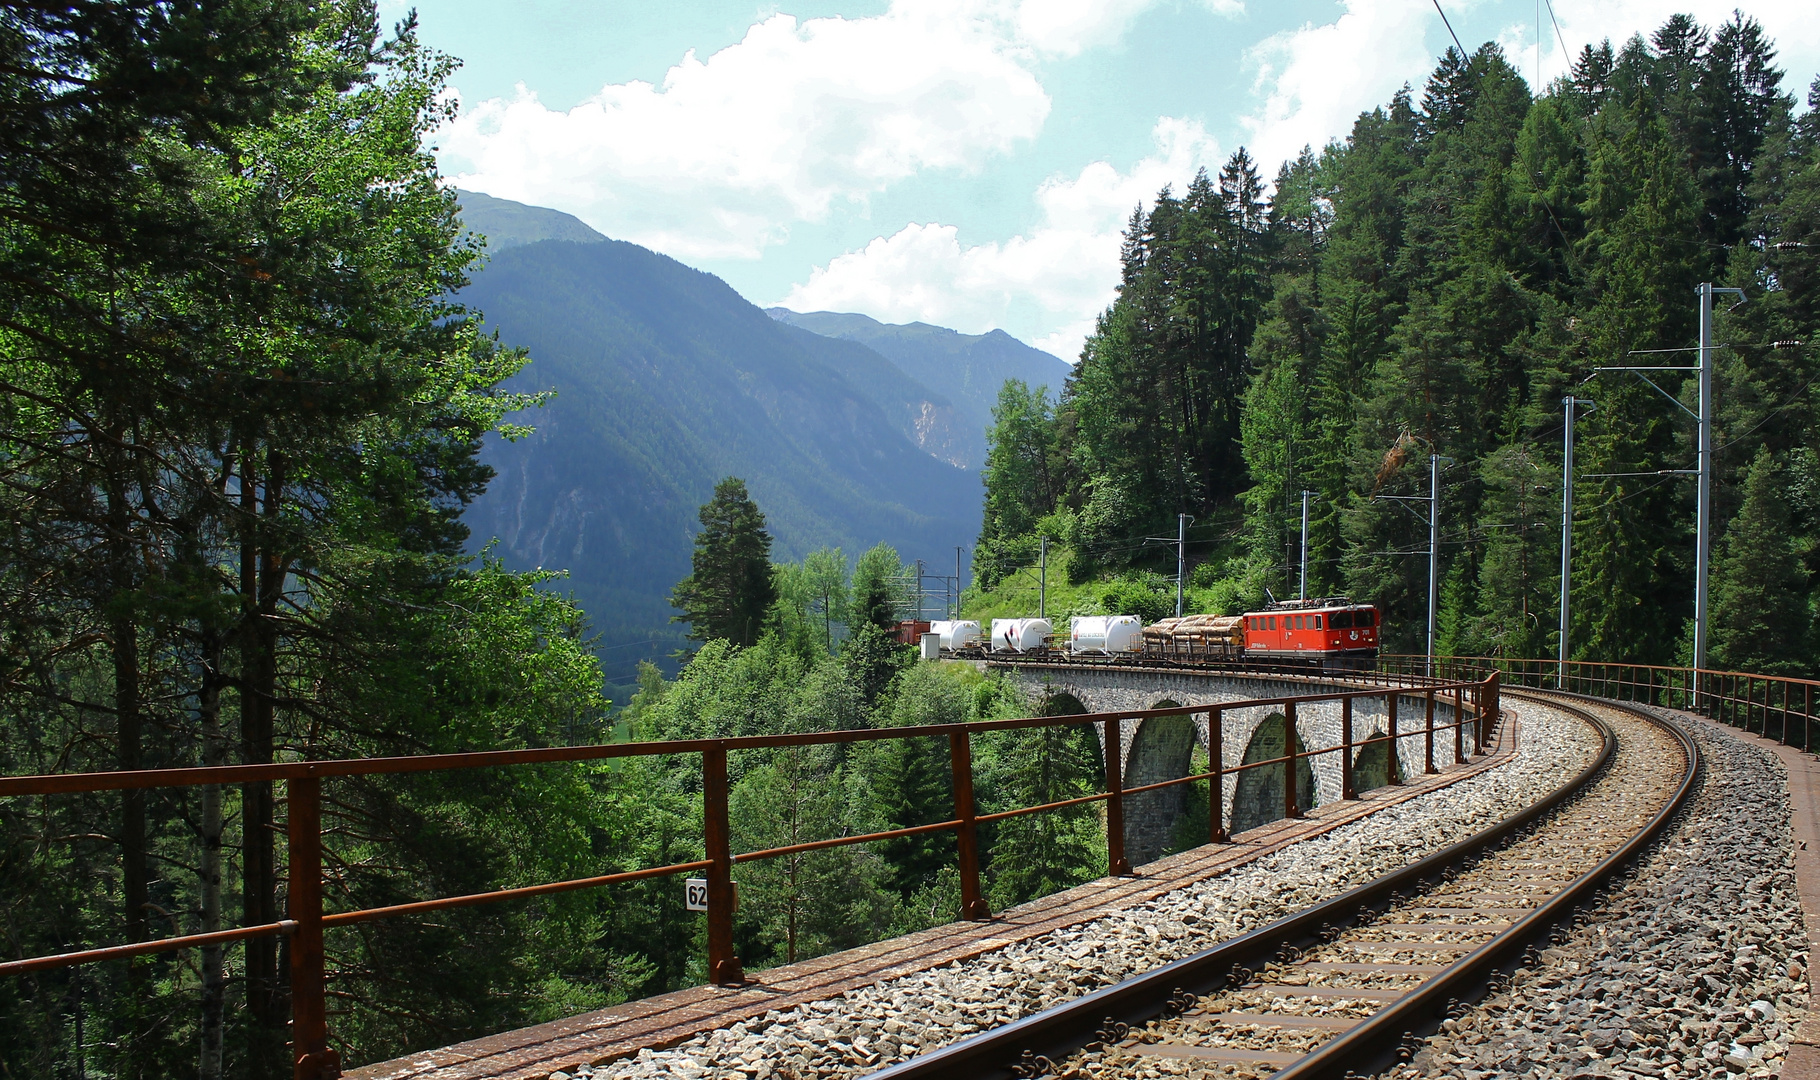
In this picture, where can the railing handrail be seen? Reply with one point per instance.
(1473, 702)
(323, 768)
(1552, 662)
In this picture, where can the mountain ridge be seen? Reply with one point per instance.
(968, 368)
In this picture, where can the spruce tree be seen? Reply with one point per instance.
(1759, 586)
(731, 589)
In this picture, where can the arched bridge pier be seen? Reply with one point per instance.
(1160, 748)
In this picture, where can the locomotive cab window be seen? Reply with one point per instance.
(1317, 622)
(1341, 620)
(1364, 618)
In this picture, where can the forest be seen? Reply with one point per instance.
(244, 414)
(1436, 284)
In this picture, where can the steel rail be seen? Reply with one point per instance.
(1375, 1041)
(1055, 1032)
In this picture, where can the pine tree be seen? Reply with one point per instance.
(731, 590)
(1760, 618)
(1037, 854)
(878, 586)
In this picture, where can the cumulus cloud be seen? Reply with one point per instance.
(1057, 276)
(1314, 81)
(721, 157)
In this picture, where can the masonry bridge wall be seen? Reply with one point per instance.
(1162, 748)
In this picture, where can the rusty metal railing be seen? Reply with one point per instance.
(1757, 703)
(1474, 702)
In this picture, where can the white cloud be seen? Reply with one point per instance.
(727, 152)
(1790, 24)
(1315, 80)
(1067, 27)
(1057, 277)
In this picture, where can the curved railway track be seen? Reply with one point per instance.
(1349, 986)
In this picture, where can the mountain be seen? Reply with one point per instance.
(507, 224)
(667, 381)
(968, 368)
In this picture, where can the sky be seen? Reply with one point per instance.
(967, 163)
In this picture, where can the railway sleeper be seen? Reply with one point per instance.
(1313, 1018)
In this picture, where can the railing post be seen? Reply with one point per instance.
(1494, 711)
(1429, 700)
(1459, 726)
(723, 966)
(312, 1057)
(1116, 863)
(1782, 735)
(960, 759)
(1348, 786)
(1216, 786)
(1393, 774)
(1291, 805)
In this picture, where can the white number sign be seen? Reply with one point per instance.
(695, 894)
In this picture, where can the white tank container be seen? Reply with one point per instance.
(1106, 634)
(1019, 635)
(957, 633)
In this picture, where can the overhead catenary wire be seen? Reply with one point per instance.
(1566, 57)
(1449, 25)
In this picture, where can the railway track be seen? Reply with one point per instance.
(1349, 986)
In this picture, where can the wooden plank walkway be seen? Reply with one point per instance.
(658, 1022)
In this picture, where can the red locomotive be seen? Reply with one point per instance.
(1333, 628)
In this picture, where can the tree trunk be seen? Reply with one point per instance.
(123, 644)
(214, 753)
(261, 579)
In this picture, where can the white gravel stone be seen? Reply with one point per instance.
(929, 1009)
(1695, 966)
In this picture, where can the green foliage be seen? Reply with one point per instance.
(1434, 285)
(243, 419)
(1037, 854)
(669, 381)
(878, 589)
(1759, 587)
(731, 590)
(1149, 598)
(1022, 475)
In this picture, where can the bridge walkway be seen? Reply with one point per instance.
(594, 1038)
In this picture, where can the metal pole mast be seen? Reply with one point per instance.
(1303, 590)
(1042, 583)
(1703, 515)
(1181, 558)
(1568, 404)
(957, 584)
(1434, 548)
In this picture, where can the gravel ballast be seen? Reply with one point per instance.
(1696, 965)
(871, 1027)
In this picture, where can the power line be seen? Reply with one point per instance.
(1456, 37)
(1565, 56)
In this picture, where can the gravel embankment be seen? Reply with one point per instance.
(868, 1028)
(1694, 967)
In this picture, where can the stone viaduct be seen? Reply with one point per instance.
(1163, 748)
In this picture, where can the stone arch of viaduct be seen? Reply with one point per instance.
(1161, 748)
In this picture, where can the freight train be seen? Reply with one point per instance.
(1330, 632)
